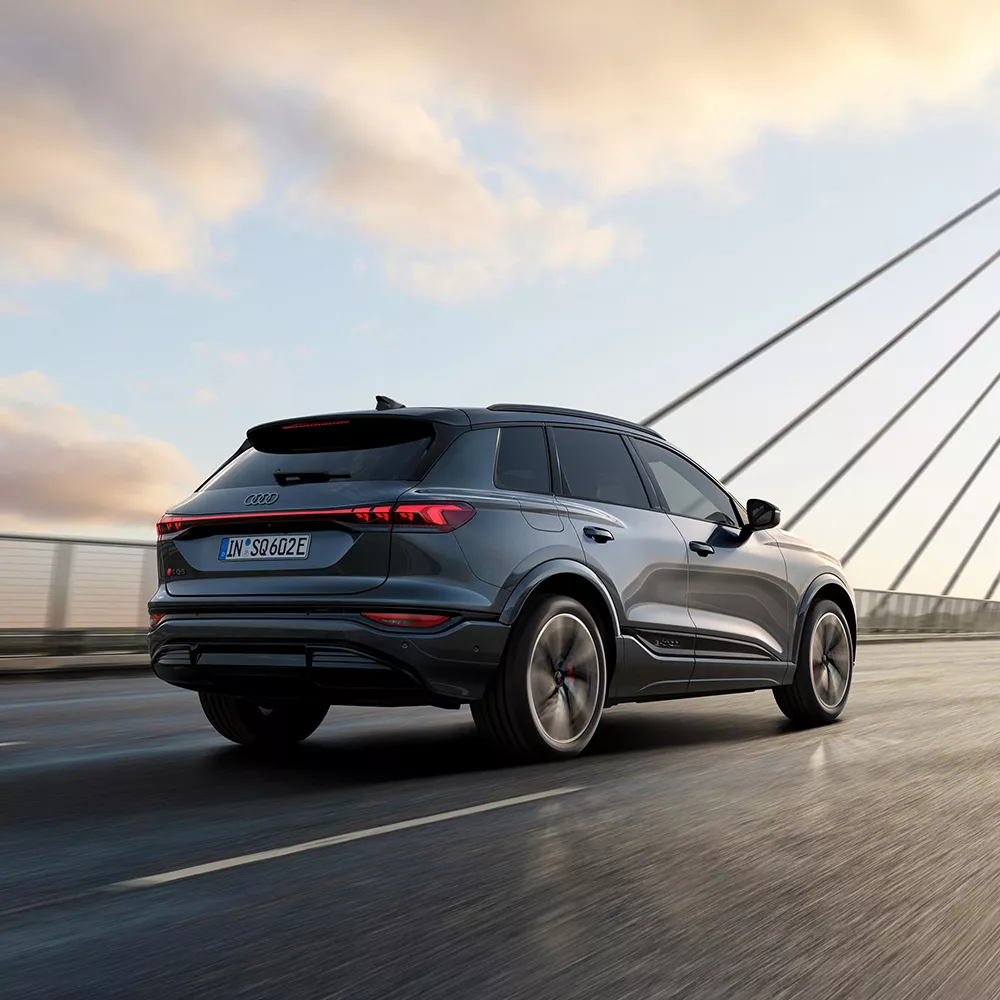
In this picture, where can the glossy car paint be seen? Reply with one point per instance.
(646, 565)
(740, 604)
(678, 623)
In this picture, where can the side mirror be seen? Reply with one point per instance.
(762, 515)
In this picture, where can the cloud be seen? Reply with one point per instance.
(531, 239)
(61, 466)
(66, 200)
(136, 127)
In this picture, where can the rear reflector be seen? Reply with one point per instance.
(426, 516)
(403, 619)
(154, 620)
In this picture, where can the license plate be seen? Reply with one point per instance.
(257, 548)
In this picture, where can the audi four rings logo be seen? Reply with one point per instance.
(260, 499)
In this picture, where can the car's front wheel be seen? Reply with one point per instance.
(547, 698)
(250, 724)
(822, 681)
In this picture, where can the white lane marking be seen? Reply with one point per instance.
(14, 743)
(818, 759)
(341, 838)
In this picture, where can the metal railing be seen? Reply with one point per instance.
(883, 612)
(69, 597)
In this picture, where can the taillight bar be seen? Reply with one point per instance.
(444, 516)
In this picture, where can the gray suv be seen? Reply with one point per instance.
(535, 563)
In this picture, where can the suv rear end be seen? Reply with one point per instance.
(322, 564)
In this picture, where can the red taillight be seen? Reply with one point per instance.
(442, 516)
(363, 515)
(402, 619)
(168, 525)
(155, 620)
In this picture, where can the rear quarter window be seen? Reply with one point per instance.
(523, 460)
(359, 450)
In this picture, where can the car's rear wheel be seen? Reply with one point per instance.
(822, 681)
(548, 695)
(250, 724)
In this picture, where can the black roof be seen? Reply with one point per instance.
(559, 411)
(494, 414)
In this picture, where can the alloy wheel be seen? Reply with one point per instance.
(830, 660)
(564, 679)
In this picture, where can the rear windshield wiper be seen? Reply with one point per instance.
(316, 476)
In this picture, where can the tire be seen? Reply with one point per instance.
(247, 723)
(825, 669)
(519, 715)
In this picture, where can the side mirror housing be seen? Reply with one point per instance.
(763, 515)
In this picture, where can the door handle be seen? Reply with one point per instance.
(702, 548)
(600, 535)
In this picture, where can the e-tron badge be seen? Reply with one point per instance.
(260, 499)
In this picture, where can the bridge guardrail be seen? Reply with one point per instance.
(891, 612)
(64, 597)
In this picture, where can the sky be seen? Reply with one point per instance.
(219, 212)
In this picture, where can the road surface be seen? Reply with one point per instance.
(699, 849)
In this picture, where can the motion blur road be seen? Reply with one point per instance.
(708, 850)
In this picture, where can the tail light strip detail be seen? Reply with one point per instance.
(405, 619)
(446, 516)
(388, 619)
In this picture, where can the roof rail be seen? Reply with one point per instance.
(562, 411)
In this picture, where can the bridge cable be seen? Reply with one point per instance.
(993, 587)
(779, 435)
(984, 531)
(802, 321)
(929, 537)
(917, 473)
(889, 424)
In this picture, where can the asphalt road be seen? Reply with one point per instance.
(699, 849)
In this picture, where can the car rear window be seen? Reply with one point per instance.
(350, 451)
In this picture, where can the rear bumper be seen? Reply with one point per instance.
(339, 660)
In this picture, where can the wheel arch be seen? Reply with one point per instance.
(570, 579)
(827, 588)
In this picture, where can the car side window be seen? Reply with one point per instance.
(596, 465)
(687, 491)
(523, 460)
